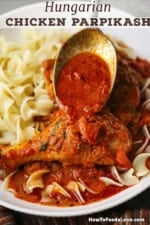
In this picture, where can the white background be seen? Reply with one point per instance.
(135, 7)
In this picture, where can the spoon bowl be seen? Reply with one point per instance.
(84, 73)
(87, 40)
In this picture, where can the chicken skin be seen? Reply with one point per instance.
(96, 141)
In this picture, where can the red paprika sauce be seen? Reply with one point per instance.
(83, 85)
(62, 175)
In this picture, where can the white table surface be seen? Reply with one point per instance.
(135, 7)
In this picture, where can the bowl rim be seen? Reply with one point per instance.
(37, 209)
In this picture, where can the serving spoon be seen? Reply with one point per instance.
(87, 40)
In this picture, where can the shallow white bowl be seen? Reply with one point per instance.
(138, 39)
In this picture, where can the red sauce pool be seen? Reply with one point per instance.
(84, 84)
(90, 176)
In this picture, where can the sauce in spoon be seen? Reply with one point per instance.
(83, 85)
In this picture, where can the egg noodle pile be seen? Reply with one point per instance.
(23, 94)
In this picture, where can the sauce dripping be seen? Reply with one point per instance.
(83, 85)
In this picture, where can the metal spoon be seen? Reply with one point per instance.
(87, 40)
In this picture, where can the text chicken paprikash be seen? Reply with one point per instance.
(83, 154)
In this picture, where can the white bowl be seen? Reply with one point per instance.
(138, 39)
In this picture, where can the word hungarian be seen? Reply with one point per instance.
(74, 8)
(84, 22)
